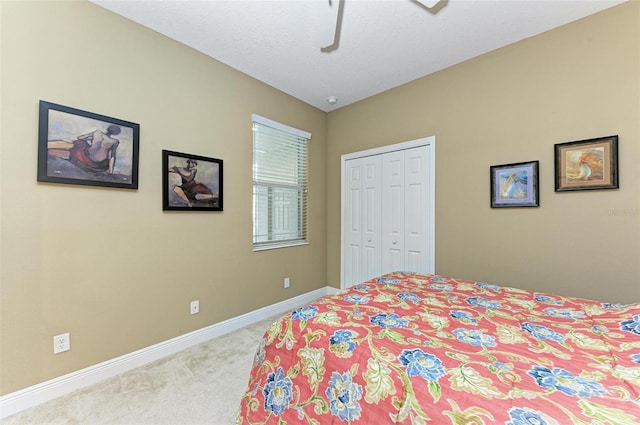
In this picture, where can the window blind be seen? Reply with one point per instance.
(280, 176)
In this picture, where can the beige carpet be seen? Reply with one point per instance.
(200, 385)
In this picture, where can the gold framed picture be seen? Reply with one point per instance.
(587, 164)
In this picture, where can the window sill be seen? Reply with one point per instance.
(278, 245)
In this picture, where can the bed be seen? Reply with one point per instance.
(414, 349)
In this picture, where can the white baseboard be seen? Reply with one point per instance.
(18, 401)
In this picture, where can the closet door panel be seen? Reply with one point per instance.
(352, 222)
(370, 264)
(413, 261)
(416, 210)
(394, 260)
(371, 217)
(353, 272)
(393, 216)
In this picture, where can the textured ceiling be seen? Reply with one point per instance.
(382, 43)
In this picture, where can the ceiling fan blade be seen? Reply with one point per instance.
(330, 18)
(428, 3)
(433, 6)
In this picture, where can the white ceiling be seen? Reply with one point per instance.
(382, 44)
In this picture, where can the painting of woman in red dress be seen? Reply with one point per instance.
(85, 148)
(190, 191)
(93, 152)
(191, 182)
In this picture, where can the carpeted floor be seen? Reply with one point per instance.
(200, 385)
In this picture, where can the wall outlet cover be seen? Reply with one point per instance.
(61, 343)
(195, 307)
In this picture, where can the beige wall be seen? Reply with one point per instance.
(108, 265)
(577, 82)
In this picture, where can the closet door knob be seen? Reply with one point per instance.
(394, 242)
(369, 240)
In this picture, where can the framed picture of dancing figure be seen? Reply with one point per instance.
(587, 164)
(191, 182)
(515, 185)
(85, 148)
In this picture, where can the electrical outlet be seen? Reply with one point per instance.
(286, 282)
(195, 307)
(61, 343)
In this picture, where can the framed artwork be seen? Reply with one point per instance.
(515, 185)
(587, 164)
(85, 148)
(191, 182)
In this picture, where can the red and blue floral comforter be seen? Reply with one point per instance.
(411, 349)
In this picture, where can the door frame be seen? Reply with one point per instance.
(425, 141)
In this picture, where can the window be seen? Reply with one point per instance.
(280, 174)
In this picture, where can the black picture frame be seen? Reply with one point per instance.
(85, 148)
(590, 164)
(515, 185)
(183, 191)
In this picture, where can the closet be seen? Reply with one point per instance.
(387, 214)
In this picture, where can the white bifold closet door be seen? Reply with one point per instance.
(363, 232)
(386, 221)
(405, 211)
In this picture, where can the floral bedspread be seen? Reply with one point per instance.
(414, 349)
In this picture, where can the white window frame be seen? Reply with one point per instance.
(302, 222)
